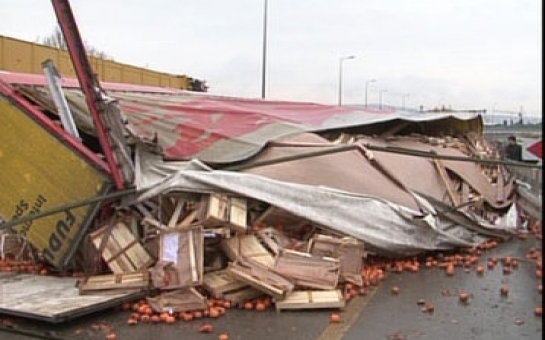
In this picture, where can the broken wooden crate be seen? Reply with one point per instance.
(307, 270)
(120, 249)
(260, 277)
(273, 239)
(179, 300)
(249, 247)
(220, 284)
(348, 250)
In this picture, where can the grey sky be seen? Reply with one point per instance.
(466, 54)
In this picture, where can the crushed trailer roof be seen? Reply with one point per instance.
(217, 129)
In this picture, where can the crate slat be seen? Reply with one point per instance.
(315, 299)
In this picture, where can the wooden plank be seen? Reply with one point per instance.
(500, 195)
(192, 257)
(149, 220)
(315, 299)
(446, 180)
(188, 220)
(176, 214)
(264, 215)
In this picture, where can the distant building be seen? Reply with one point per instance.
(505, 118)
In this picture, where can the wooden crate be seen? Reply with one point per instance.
(222, 210)
(120, 249)
(181, 259)
(312, 299)
(249, 247)
(114, 283)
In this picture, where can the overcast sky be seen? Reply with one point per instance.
(463, 54)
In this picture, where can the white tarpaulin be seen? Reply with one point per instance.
(384, 227)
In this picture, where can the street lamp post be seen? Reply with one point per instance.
(341, 60)
(366, 88)
(380, 98)
(403, 100)
(264, 62)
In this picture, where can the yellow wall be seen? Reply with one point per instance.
(26, 57)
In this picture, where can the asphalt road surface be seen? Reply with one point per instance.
(377, 315)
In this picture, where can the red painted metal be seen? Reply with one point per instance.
(536, 149)
(89, 85)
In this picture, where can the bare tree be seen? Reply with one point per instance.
(56, 40)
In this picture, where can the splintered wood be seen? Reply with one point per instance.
(120, 249)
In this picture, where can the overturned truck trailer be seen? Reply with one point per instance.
(385, 176)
